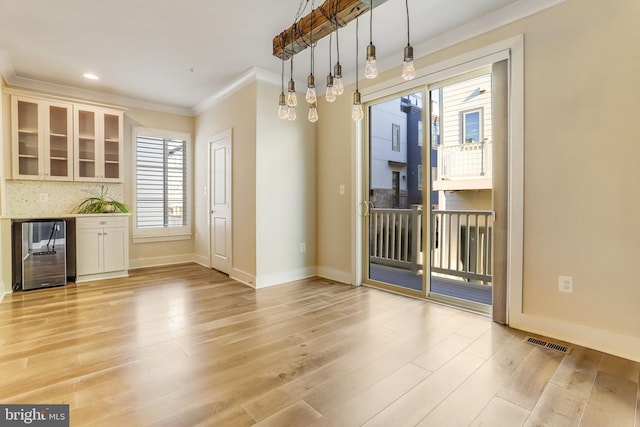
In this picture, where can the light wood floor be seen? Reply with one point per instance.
(186, 346)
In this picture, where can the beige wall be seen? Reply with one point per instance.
(147, 254)
(335, 167)
(237, 112)
(285, 191)
(581, 174)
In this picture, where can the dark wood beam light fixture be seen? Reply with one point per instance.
(297, 38)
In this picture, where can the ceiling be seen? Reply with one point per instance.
(178, 54)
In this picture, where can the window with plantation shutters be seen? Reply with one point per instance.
(162, 205)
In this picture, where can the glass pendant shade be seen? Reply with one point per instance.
(313, 113)
(292, 100)
(330, 96)
(338, 87)
(371, 69)
(291, 113)
(356, 109)
(282, 107)
(311, 90)
(408, 69)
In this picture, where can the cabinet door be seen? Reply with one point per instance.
(116, 255)
(89, 251)
(58, 142)
(26, 124)
(112, 146)
(86, 134)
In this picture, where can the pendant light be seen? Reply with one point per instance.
(356, 109)
(330, 95)
(292, 100)
(311, 80)
(282, 104)
(408, 70)
(371, 69)
(313, 113)
(338, 87)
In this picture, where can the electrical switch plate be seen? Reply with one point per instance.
(342, 189)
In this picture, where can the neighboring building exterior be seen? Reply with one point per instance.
(464, 176)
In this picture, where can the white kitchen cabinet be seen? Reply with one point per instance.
(102, 247)
(42, 140)
(98, 144)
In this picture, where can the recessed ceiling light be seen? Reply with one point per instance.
(90, 76)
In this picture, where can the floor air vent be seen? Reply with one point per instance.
(550, 345)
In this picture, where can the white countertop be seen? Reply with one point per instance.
(71, 215)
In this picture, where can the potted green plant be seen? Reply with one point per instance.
(101, 202)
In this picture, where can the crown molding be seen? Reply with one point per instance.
(252, 75)
(482, 25)
(499, 18)
(12, 80)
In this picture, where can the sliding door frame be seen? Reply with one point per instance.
(511, 49)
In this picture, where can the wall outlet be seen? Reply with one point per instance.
(303, 247)
(565, 284)
(43, 197)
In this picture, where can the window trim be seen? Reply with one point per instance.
(463, 124)
(152, 235)
(395, 137)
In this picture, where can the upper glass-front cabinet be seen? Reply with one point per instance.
(65, 141)
(98, 144)
(42, 139)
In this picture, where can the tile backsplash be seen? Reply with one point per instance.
(43, 198)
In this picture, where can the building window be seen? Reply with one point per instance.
(395, 137)
(162, 202)
(420, 133)
(471, 126)
(420, 177)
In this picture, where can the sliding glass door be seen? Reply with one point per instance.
(394, 194)
(429, 194)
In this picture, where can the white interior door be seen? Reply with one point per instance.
(220, 201)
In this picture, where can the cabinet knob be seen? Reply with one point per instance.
(103, 222)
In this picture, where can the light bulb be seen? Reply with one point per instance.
(311, 89)
(330, 96)
(282, 112)
(282, 107)
(408, 70)
(291, 113)
(338, 87)
(356, 110)
(311, 95)
(313, 113)
(371, 70)
(292, 100)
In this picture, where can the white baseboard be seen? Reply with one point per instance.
(243, 277)
(267, 280)
(337, 276)
(160, 261)
(606, 341)
(202, 260)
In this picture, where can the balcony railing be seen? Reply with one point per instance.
(461, 243)
(464, 160)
